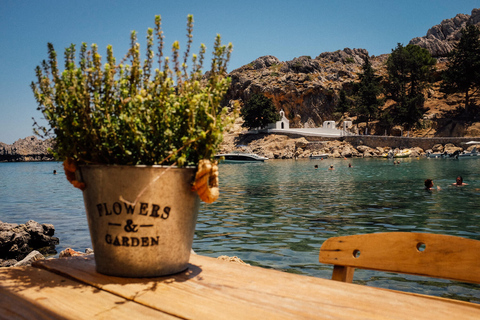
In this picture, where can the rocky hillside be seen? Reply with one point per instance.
(307, 88)
(440, 39)
(28, 149)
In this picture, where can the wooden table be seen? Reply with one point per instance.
(210, 289)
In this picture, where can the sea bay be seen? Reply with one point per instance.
(277, 214)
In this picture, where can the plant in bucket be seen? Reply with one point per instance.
(140, 143)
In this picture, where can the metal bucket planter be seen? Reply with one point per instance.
(141, 218)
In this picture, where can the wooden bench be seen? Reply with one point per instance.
(423, 254)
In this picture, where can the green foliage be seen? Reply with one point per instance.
(344, 104)
(463, 68)
(369, 88)
(129, 113)
(258, 112)
(350, 60)
(409, 70)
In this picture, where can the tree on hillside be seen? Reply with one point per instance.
(344, 103)
(258, 112)
(369, 88)
(409, 70)
(463, 67)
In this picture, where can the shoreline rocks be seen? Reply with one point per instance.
(69, 252)
(19, 241)
(276, 146)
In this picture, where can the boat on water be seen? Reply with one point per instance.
(464, 154)
(437, 155)
(405, 153)
(455, 155)
(319, 156)
(388, 155)
(240, 157)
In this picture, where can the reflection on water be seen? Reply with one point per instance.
(278, 213)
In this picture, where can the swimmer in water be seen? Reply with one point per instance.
(429, 185)
(459, 182)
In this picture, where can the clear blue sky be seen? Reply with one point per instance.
(285, 29)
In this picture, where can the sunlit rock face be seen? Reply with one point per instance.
(441, 39)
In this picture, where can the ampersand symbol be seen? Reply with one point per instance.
(130, 227)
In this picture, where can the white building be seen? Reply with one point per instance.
(283, 123)
(347, 124)
(329, 124)
(283, 126)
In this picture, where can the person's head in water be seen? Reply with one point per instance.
(459, 181)
(428, 184)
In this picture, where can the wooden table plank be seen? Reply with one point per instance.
(13, 306)
(33, 293)
(181, 294)
(213, 289)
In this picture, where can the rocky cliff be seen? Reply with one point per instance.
(307, 88)
(440, 39)
(28, 149)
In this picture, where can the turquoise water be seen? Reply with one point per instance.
(278, 213)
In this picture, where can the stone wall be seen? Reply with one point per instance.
(405, 142)
(370, 141)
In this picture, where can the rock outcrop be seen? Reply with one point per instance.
(305, 88)
(69, 252)
(441, 39)
(19, 240)
(28, 149)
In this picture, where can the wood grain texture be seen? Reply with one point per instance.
(423, 254)
(214, 289)
(33, 293)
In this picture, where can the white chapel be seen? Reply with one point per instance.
(283, 123)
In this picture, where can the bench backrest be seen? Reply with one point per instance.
(424, 254)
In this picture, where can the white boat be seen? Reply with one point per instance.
(319, 156)
(455, 155)
(436, 155)
(464, 154)
(239, 157)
